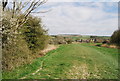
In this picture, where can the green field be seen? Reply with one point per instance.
(71, 61)
(88, 37)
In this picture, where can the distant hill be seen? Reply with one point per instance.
(76, 36)
(68, 35)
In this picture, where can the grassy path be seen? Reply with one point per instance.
(77, 61)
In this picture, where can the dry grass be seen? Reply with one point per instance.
(76, 72)
(49, 48)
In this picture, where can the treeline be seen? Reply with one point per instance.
(56, 39)
(23, 35)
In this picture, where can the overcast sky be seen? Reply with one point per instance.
(88, 18)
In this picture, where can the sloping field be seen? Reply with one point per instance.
(74, 61)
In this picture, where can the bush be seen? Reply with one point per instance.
(35, 35)
(21, 47)
(15, 54)
(58, 40)
(68, 40)
(115, 38)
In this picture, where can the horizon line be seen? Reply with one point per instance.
(81, 34)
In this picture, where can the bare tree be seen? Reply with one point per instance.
(4, 3)
(16, 14)
(21, 7)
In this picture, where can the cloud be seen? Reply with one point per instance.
(83, 1)
(71, 0)
(82, 18)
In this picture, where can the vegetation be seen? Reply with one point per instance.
(24, 38)
(60, 40)
(69, 40)
(57, 40)
(72, 62)
(34, 34)
(115, 38)
(23, 35)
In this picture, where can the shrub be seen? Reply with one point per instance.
(35, 35)
(58, 40)
(20, 48)
(68, 40)
(115, 38)
(15, 54)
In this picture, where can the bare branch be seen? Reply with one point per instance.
(13, 9)
(21, 5)
(4, 4)
(43, 2)
(42, 11)
(28, 8)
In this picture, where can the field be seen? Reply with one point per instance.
(86, 37)
(71, 61)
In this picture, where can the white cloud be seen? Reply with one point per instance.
(80, 20)
(71, 0)
(83, 0)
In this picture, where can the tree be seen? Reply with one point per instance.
(20, 8)
(4, 4)
(115, 38)
(15, 51)
(68, 40)
(35, 35)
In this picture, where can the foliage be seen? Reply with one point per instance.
(58, 40)
(61, 40)
(68, 40)
(115, 38)
(19, 45)
(15, 54)
(35, 35)
(93, 36)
